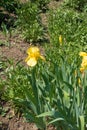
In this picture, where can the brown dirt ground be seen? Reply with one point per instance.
(17, 52)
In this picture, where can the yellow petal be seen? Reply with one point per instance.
(82, 70)
(32, 61)
(84, 62)
(33, 50)
(85, 58)
(60, 39)
(83, 54)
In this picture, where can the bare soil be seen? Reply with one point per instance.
(14, 47)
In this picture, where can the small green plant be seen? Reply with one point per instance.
(29, 22)
(2, 78)
(76, 4)
(10, 5)
(42, 4)
(7, 34)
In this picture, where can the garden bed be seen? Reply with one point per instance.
(51, 95)
(14, 48)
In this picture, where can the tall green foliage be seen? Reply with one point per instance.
(50, 93)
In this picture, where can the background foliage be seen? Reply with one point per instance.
(29, 22)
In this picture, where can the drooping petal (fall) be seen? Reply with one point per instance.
(83, 54)
(32, 62)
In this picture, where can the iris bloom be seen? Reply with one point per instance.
(84, 61)
(33, 56)
(60, 39)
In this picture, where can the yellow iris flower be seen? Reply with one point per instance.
(84, 61)
(33, 56)
(60, 39)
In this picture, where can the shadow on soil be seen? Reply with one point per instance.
(7, 19)
(4, 127)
